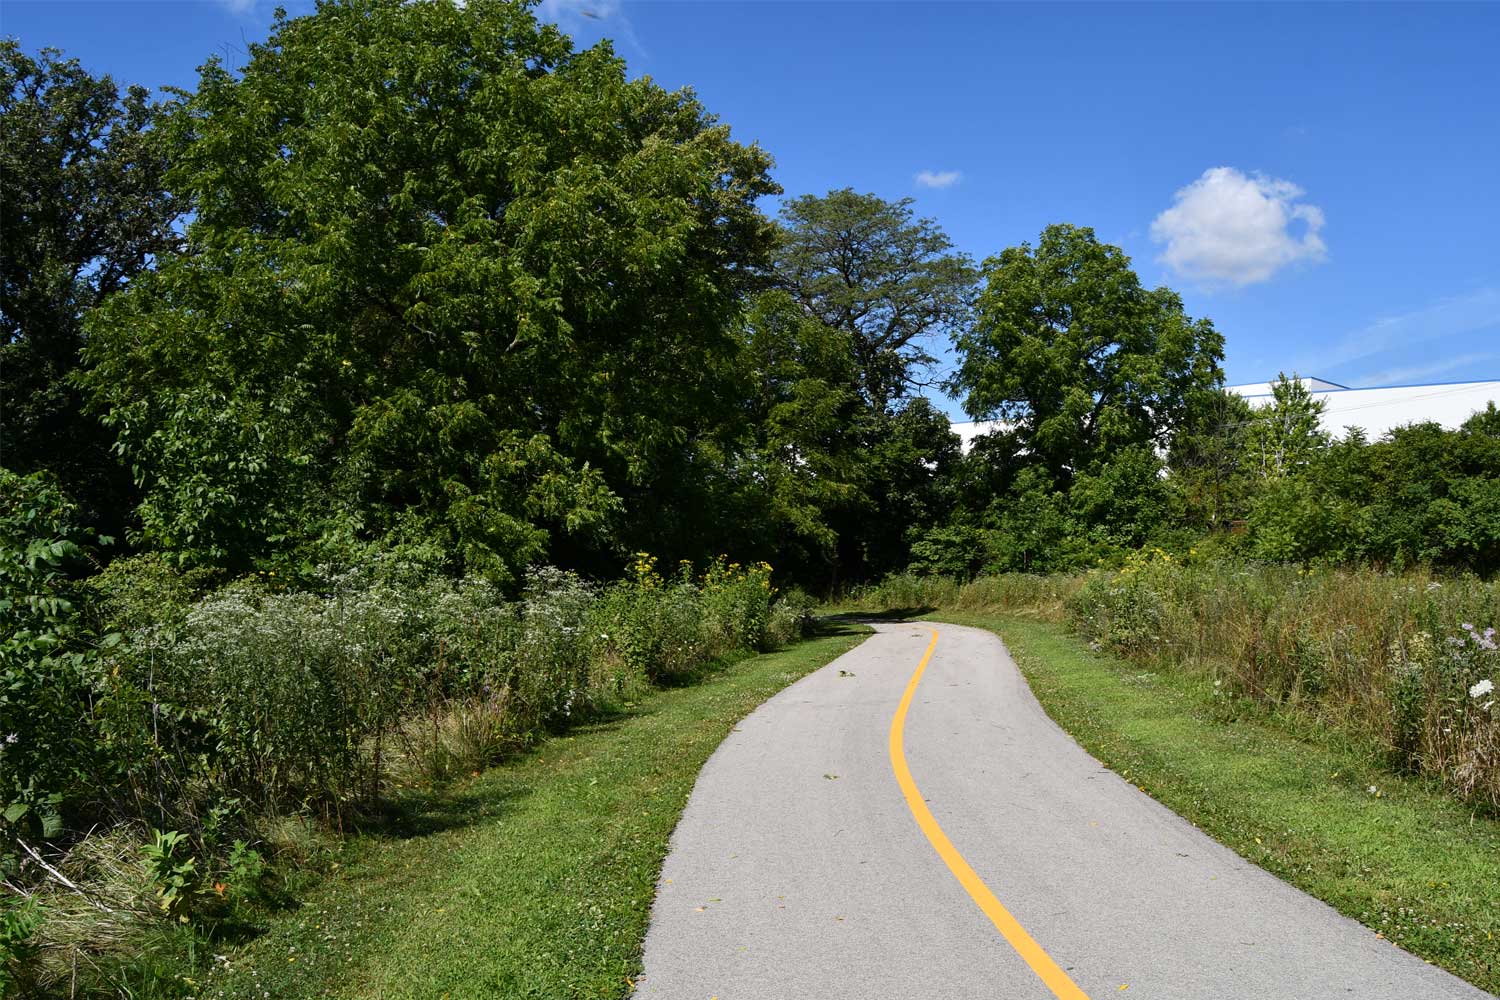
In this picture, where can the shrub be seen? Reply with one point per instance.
(1027, 593)
(215, 721)
(49, 663)
(1391, 659)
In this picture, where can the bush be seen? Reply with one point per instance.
(212, 718)
(1390, 659)
(1028, 593)
(49, 663)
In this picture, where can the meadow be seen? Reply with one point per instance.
(1403, 664)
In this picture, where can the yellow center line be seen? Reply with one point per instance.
(1025, 945)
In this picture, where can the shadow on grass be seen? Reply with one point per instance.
(865, 617)
(421, 812)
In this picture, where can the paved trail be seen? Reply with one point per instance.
(801, 869)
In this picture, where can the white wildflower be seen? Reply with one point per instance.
(1481, 689)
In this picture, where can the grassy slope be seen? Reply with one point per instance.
(1411, 862)
(534, 879)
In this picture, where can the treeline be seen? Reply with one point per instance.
(422, 276)
(1241, 482)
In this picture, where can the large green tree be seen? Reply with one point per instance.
(892, 283)
(1078, 358)
(84, 209)
(869, 286)
(1287, 433)
(448, 280)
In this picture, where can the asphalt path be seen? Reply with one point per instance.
(802, 868)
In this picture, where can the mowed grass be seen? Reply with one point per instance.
(533, 879)
(1405, 859)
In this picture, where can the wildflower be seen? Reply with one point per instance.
(1373, 790)
(1482, 688)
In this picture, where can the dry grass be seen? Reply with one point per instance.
(98, 910)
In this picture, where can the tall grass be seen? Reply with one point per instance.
(1392, 659)
(1405, 663)
(1026, 593)
(220, 716)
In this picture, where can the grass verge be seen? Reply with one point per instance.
(1404, 859)
(533, 879)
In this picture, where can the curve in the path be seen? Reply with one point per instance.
(804, 868)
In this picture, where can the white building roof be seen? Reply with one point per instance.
(1376, 411)
(1380, 410)
(1264, 388)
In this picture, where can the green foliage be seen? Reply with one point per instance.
(1123, 500)
(470, 288)
(1286, 436)
(800, 450)
(1033, 529)
(1025, 593)
(20, 920)
(85, 210)
(253, 701)
(49, 665)
(1422, 495)
(258, 699)
(1399, 662)
(1091, 377)
(174, 873)
(957, 552)
(1083, 362)
(908, 460)
(1208, 459)
(861, 265)
(840, 462)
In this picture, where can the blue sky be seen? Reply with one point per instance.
(1320, 181)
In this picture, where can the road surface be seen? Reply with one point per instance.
(969, 848)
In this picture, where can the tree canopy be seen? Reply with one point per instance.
(447, 279)
(423, 276)
(1084, 362)
(85, 210)
(861, 264)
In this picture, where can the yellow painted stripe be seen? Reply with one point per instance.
(1025, 945)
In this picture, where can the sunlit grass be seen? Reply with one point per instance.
(1405, 859)
(534, 879)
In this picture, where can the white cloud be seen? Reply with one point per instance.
(938, 178)
(1227, 228)
(237, 6)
